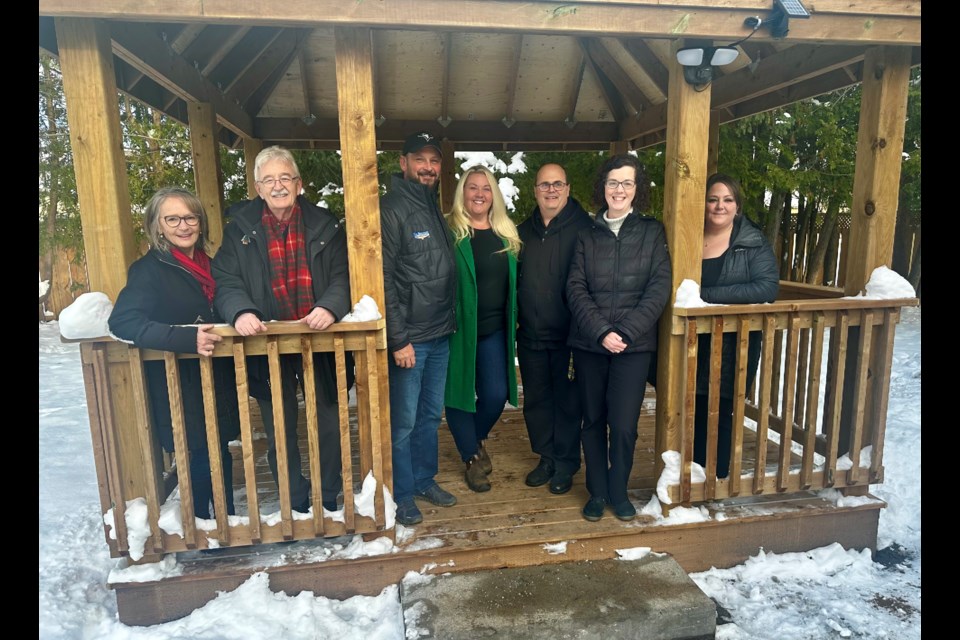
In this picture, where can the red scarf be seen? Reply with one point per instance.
(289, 271)
(199, 268)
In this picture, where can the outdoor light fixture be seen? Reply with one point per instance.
(698, 62)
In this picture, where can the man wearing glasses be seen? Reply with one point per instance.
(283, 258)
(551, 407)
(419, 281)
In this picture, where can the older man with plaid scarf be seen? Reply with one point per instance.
(283, 258)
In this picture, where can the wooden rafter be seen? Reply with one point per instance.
(512, 79)
(648, 61)
(882, 22)
(268, 71)
(183, 35)
(210, 46)
(142, 48)
(304, 82)
(446, 44)
(610, 95)
(243, 58)
(576, 82)
(621, 80)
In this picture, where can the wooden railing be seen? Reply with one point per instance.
(129, 464)
(841, 348)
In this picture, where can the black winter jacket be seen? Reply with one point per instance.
(619, 283)
(542, 276)
(160, 296)
(750, 274)
(419, 272)
(242, 271)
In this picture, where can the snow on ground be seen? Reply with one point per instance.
(821, 594)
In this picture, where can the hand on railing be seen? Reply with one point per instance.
(206, 340)
(248, 324)
(318, 319)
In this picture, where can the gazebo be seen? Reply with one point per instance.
(497, 75)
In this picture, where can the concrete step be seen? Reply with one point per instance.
(651, 598)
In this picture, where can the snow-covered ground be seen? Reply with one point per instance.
(821, 594)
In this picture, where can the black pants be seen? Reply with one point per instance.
(611, 394)
(551, 406)
(724, 430)
(328, 421)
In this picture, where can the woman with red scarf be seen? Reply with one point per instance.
(167, 304)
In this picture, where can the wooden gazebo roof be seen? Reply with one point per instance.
(485, 74)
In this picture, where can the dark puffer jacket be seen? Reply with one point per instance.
(619, 283)
(749, 275)
(160, 296)
(419, 272)
(542, 276)
(242, 271)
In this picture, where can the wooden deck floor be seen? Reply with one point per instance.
(510, 525)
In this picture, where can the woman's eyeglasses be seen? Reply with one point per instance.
(174, 221)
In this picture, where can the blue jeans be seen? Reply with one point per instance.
(468, 428)
(416, 402)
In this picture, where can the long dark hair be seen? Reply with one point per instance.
(641, 198)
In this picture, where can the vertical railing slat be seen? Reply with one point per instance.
(246, 440)
(767, 358)
(713, 406)
(686, 418)
(803, 365)
(111, 442)
(181, 449)
(861, 383)
(313, 431)
(346, 459)
(881, 393)
(739, 397)
(374, 429)
(141, 412)
(280, 436)
(789, 389)
(813, 398)
(213, 450)
(834, 394)
(775, 406)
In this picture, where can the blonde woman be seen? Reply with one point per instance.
(481, 375)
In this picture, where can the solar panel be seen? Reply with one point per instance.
(792, 8)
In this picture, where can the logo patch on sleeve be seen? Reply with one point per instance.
(421, 235)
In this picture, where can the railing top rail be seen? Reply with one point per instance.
(831, 304)
(274, 327)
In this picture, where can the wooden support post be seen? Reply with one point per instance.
(207, 175)
(619, 147)
(251, 147)
(448, 175)
(361, 189)
(684, 185)
(876, 179)
(713, 142)
(93, 114)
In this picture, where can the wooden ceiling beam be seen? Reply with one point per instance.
(245, 55)
(576, 85)
(182, 37)
(648, 61)
(208, 47)
(788, 67)
(610, 94)
(397, 145)
(878, 22)
(459, 130)
(836, 79)
(291, 44)
(446, 45)
(512, 79)
(304, 82)
(620, 79)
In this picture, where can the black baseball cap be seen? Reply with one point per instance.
(417, 141)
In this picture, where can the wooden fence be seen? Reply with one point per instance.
(129, 464)
(822, 388)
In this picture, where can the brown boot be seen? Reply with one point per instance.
(474, 475)
(485, 462)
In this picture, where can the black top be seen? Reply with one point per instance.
(710, 269)
(490, 262)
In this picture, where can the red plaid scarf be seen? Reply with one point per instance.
(199, 268)
(289, 272)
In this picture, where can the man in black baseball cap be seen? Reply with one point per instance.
(417, 141)
(419, 282)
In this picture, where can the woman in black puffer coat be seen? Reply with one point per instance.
(167, 304)
(619, 283)
(738, 267)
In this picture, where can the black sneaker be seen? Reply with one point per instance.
(561, 482)
(625, 510)
(541, 474)
(593, 510)
(435, 495)
(408, 513)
